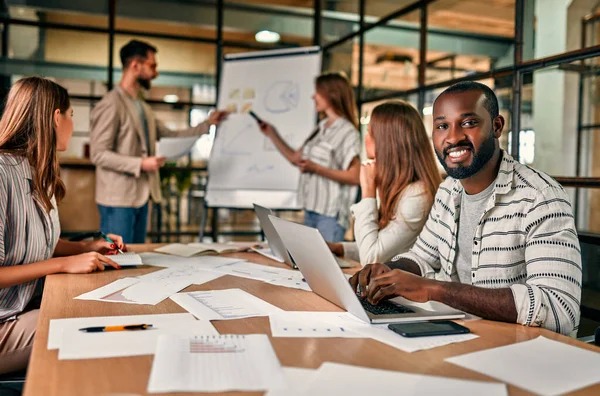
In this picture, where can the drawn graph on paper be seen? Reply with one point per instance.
(269, 146)
(233, 139)
(282, 96)
(260, 168)
(215, 345)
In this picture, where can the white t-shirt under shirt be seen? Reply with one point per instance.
(332, 147)
(471, 210)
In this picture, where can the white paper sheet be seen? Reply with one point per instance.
(267, 252)
(80, 345)
(126, 259)
(541, 366)
(298, 380)
(169, 261)
(258, 272)
(179, 249)
(58, 326)
(190, 272)
(231, 247)
(215, 364)
(346, 325)
(386, 336)
(224, 304)
(136, 291)
(175, 147)
(341, 379)
(111, 288)
(313, 325)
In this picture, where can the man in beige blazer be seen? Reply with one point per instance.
(122, 146)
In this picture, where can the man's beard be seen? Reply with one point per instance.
(480, 159)
(144, 83)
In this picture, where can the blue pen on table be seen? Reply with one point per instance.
(103, 235)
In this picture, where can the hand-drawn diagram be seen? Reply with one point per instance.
(282, 96)
(246, 107)
(234, 93)
(260, 168)
(249, 93)
(269, 146)
(233, 140)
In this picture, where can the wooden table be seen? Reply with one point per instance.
(119, 376)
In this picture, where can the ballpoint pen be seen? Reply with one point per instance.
(101, 329)
(103, 235)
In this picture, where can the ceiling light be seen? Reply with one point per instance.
(428, 110)
(171, 98)
(267, 36)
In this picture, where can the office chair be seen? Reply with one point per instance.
(593, 339)
(11, 384)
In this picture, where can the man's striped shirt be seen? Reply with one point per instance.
(27, 233)
(525, 240)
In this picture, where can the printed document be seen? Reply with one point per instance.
(168, 261)
(224, 304)
(215, 364)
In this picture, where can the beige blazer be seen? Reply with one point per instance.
(117, 146)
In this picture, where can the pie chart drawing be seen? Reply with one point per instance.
(282, 96)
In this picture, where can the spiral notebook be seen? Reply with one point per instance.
(215, 363)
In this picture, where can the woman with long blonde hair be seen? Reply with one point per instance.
(329, 159)
(37, 122)
(403, 174)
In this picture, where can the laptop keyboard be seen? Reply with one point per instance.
(384, 308)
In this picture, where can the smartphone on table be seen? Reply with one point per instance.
(426, 329)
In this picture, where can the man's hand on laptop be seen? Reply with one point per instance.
(399, 283)
(361, 279)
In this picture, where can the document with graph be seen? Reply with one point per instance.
(215, 363)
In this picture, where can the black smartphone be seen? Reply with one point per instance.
(257, 118)
(425, 329)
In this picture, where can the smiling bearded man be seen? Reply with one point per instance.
(500, 241)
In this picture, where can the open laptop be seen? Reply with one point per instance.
(277, 250)
(323, 275)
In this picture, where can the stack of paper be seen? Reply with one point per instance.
(168, 261)
(197, 249)
(224, 304)
(273, 275)
(189, 272)
(127, 259)
(346, 325)
(541, 366)
(341, 379)
(215, 364)
(64, 335)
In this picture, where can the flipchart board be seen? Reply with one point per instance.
(244, 165)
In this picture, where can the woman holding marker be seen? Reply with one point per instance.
(329, 159)
(403, 173)
(37, 122)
